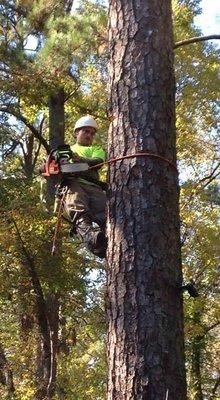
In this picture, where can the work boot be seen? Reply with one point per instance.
(93, 237)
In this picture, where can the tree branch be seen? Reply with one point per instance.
(211, 174)
(209, 328)
(9, 151)
(217, 383)
(208, 179)
(198, 187)
(20, 117)
(68, 6)
(36, 155)
(195, 40)
(41, 303)
(44, 318)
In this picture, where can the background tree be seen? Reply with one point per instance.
(52, 26)
(198, 153)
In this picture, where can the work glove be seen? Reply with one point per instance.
(77, 158)
(92, 162)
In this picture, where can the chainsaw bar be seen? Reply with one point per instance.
(71, 168)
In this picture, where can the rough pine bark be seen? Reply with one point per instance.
(144, 300)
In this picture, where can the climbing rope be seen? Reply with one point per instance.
(142, 154)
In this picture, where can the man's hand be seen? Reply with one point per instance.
(76, 157)
(92, 162)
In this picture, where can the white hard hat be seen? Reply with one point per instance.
(86, 121)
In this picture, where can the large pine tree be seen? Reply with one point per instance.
(145, 312)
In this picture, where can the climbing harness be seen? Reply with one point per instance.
(59, 162)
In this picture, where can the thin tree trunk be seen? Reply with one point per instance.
(197, 344)
(47, 352)
(44, 368)
(145, 310)
(196, 368)
(56, 135)
(47, 381)
(27, 164)
(53, 312)
(56, 118)
(6, 376)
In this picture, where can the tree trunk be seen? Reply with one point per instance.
(197, 346)
(145, 310)
(6, 376)
(27, 164)
(47, 368)
(56, 134)
(53, 312)
(56, 118)
(47, 352)
(196, 367)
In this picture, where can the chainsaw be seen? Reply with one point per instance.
(59, 162)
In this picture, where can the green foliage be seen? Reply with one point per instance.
(25, 223)
(198, 153)
(82, 372)
(200, 256)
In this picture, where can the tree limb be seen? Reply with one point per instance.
(195, 40)
(210, 180)
(41, 303)
(198, 187)
(20, 117)
(217, 383)
(13, 146)
(44, 320)
(209, 328)
(211, 174)
(36, 155)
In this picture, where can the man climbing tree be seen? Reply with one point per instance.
(145, 310)
(85, 201)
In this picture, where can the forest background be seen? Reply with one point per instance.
(69, 61)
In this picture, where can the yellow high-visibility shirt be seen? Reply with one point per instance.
(93, 151)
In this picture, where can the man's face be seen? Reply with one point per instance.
(85, 136)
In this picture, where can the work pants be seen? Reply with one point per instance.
(85, 199)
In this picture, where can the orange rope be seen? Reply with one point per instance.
(113, 160)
